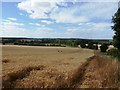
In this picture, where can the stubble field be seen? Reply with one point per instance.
(40, 67)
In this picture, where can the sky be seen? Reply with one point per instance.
(57, 19)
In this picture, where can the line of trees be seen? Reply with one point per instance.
(91, 45)
(84, 43)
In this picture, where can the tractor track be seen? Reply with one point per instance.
(91, 74)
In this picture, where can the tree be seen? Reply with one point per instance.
(90, 45)
(103, 47)
(96, 47)
(116, 28)
(83, 45)
(3, 43)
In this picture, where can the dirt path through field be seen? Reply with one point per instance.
(96, 72)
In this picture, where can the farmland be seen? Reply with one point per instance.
(51, 59)
(60, 45)
(56, 67)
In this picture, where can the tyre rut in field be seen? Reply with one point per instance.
(96, 73)
(77, 76)
(88, 76)
(13, 77)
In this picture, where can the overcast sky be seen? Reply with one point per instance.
(38, 19)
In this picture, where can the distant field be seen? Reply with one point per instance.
(34, 66)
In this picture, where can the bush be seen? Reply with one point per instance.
(15, 43)
(96, 47)
(90, 45)
(83, 45)
(114, 53)
(103, 47)
(3, 43)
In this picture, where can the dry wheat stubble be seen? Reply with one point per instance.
(23, 62)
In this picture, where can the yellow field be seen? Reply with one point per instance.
(39, 67)
(57, 67)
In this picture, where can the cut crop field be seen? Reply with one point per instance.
(38, 67)
(56, 67)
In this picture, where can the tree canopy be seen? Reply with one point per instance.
(116, 28)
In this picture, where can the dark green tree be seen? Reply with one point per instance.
(116, 28)
(90, 45)
(96, 47)
(83, 45)
(103, 47)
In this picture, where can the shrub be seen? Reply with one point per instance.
(15, 43)
(90, 45)
(96, 47)
(3, 43)
(103, 47)
(83, 45)
(114, 53)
